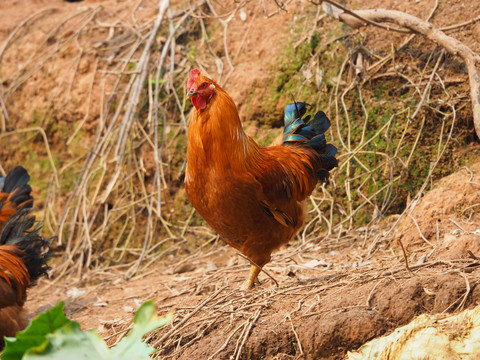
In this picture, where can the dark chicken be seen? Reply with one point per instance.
(23, 251)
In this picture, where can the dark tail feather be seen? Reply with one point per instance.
(16, 184)
(17, 177)
(21, 230)
(310, 133)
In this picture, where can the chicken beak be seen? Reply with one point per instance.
(191, 93)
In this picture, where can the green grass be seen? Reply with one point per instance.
(387, 103)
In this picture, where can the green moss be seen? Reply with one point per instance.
(192, 53)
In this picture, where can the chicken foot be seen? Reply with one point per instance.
(248, 284)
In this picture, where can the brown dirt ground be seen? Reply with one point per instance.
(334, 295)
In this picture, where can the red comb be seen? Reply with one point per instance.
(193, 76)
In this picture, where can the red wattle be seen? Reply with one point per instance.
(199, 102)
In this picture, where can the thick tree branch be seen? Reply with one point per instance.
(426, 29)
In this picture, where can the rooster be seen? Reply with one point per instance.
(252, 196)
(23, 251)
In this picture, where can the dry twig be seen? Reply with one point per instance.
(472, 60)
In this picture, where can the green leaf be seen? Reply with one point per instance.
(70, 342)
(52, 336)
(34, 336)
(144, 321)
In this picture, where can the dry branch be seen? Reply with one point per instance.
(426, 29)
(135, 96)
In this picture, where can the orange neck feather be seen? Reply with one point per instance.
(13, 270)
(216, 137)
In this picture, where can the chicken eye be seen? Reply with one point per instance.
(203, 85)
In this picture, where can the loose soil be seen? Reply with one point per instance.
(333, 294)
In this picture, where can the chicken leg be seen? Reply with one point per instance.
(248, 284)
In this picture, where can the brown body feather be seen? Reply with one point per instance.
(13, 273)
(12, 320)
(8, 206)
(14, 280)
(251, 195)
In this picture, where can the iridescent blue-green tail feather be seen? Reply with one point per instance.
(310, 132)
(16, 184)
